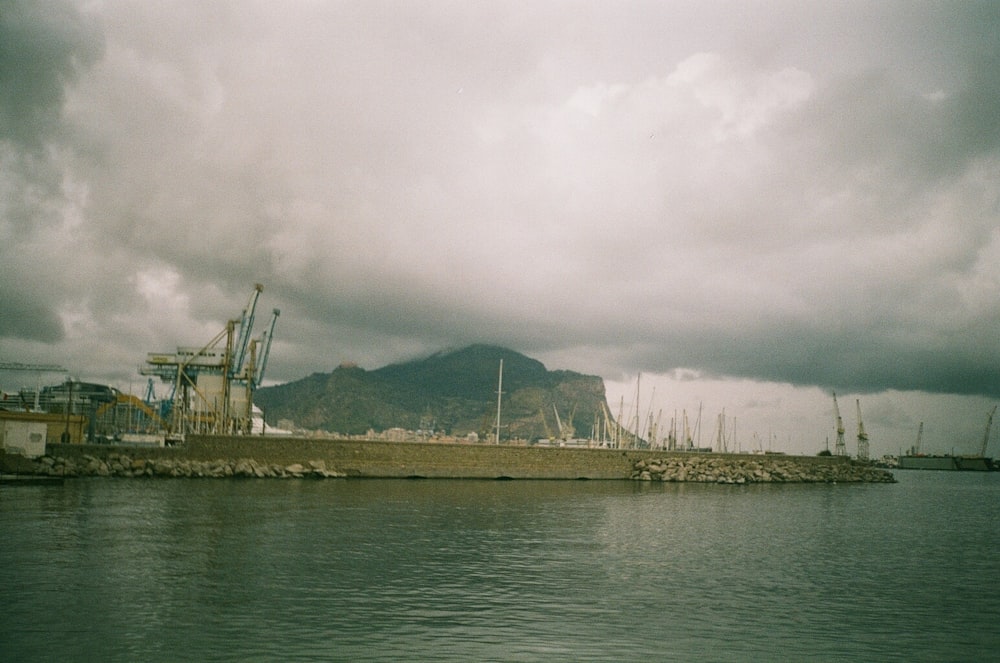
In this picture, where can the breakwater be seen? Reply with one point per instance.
(737, 469)
(262, 457)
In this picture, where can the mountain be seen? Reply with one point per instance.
(450, 392)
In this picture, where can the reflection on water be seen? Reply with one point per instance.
(201, 570)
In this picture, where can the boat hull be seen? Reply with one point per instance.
(948, 463)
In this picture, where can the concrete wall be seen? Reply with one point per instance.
(24, 437)
(377, 459)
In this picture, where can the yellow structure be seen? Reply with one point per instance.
(16, 427)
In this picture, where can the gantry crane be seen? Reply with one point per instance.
(862, 435)
(213, 384)
(840, 449)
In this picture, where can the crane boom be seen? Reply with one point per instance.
(246, 328)
(986, 435)
(545, 424)
(840, 449)
(862, 435)
(266, 339)
(35, 368)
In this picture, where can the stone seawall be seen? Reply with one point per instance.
(756, 469)
(225, 456)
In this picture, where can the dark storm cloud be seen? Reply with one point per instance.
(22, 319)
(803, 193)
(43, 46)
(43, 49)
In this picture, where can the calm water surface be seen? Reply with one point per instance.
(266, 570)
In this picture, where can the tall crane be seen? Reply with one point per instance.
(986, 435)
(265, 341)
(213, 384)
(246, 328)
(559, 424)
(862, 435)
(920, 435)
(840, 449)
(548, 431)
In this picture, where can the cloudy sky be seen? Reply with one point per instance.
(750, 205)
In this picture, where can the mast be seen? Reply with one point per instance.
(862, 435)
(499, 396)
(635, 438)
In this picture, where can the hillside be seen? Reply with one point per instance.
(449, 392)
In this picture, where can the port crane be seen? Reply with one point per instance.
(213, 384)
(986, 435)
(265, 341)
(545, 424)
(566, 430)
(840, 449)
(862, 435)
(246, 327)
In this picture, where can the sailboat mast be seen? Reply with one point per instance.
(499, 397)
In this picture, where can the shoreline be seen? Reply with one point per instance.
(260, 457)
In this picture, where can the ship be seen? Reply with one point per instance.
(947, 462)
(914, 460)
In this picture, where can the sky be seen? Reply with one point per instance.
(716, 206)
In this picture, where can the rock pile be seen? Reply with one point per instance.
(121, 465)
(756, 469)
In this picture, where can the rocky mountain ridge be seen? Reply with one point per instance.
(452, 393)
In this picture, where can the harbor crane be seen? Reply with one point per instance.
(986, 435)
(265, 341)
(246, 327)
(862, 435)
(548, 431)
(213, 384)
(840, 449)
(566, 430)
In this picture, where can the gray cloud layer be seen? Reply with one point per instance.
(797, 192)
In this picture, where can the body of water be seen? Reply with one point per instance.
(303, 570)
